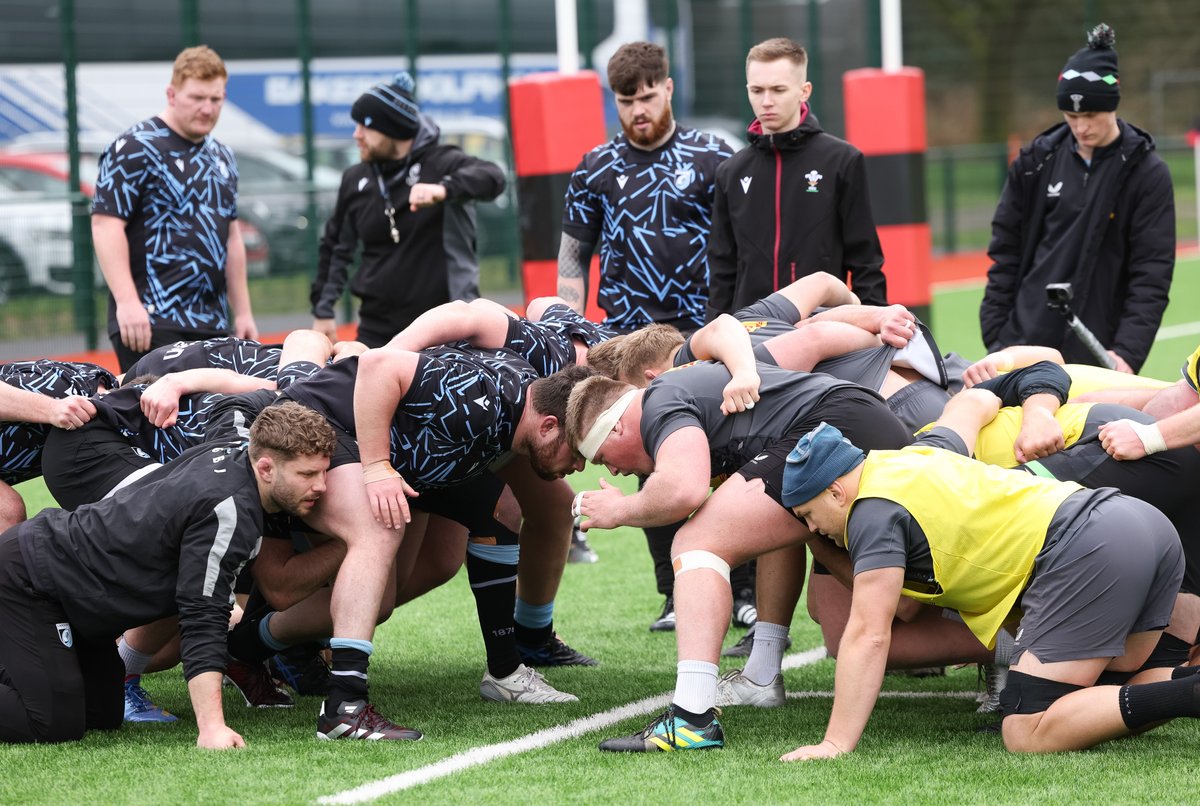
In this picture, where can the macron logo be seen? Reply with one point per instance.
(621, 180)
(120, 143)
(1054, 191)
(746, 183)
(362, 183)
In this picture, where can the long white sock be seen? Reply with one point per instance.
(135, 662)
(766, 653)
(695, 685)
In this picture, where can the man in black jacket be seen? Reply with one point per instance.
(408, 202)
(794, 201)
(71, 582)
(1089, 203)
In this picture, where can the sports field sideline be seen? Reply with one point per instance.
(429, 661)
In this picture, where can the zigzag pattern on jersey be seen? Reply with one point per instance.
(243, 356)
(122, 410)
(186, 199)
(462, 418)
(21, 443)
(654, 233)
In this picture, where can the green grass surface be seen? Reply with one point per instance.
(428, 664)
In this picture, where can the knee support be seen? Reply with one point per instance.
(1029, 694)
(692, 560)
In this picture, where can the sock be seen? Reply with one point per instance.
(246, 640)
(492, 572)
(766, 653)
(695, 687)
(264, 633)
(1148, 703)
(1004, 647)
(135, 662)
(1180, 672)
(348, 677)
(534, 623)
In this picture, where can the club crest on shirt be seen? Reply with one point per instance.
(684, 176)
(813, 178)
(362, 183)
(64, 634)
(414, 174)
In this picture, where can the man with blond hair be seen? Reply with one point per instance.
(164, 221)
(794, 201)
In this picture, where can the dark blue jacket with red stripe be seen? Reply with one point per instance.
(788, 205)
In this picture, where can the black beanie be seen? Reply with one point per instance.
(389, 109)
(1089, 81)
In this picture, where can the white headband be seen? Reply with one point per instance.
(604, 425)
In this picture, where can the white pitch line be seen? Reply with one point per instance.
(1177, 331)
(478, 756)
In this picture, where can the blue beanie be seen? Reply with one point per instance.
(389, 109)
(820, 457)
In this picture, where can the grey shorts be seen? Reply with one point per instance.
(1113, 570)
(918, 404)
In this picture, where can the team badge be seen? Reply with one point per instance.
(362, 183)
(813, 178)
(684, 176)
(1075, 99)
(414, 176)
(755, 325)
(64, 634)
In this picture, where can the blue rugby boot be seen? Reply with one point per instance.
(669, 733)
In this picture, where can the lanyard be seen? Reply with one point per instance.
(389, 209)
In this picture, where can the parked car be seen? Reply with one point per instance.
(35, 225)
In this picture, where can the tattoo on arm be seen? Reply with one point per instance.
(569, 294)
(573, 257)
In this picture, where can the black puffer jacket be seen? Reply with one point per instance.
(789, 205)
(1123, 273)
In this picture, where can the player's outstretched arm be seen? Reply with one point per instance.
(968, 412)
(160, 400)
(817, 290)
(205, 692)
(384, 377)
(481, 322)
(23, 406)
(725, 339)
(862, 658)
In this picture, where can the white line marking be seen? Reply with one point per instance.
(1177, 331)
(482, 755)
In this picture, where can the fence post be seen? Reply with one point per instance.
(950, 240)
(81, 241)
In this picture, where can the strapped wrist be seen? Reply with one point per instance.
(381, 470)
(1151, 437)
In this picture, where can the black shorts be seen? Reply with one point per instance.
(861, 416)
(84, 465)
(472, 504)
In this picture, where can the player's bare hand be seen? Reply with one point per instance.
(244, 327)
(327, 327)
(160, 402)
(812, 752)
(987, 368)
(1041, 435)
(388, 494)
(71, 412)
(1122, 441)
(222, 738)
(601, 509)
(897, 325)
(741, 393)
(423, 194)
(134, 324)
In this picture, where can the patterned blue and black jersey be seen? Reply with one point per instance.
(122, 411)
(21, 443)
(177, 198)
(459, 414)
(651, 212)
(548, 344)
(243, 356)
